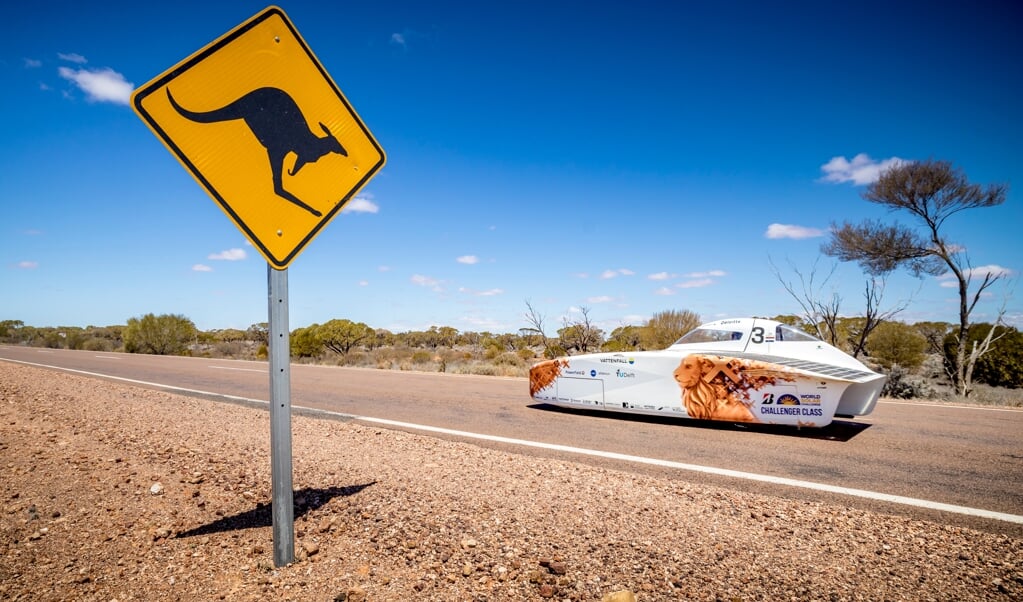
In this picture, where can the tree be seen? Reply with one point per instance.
(1003, 366)
(167, 334)
(305, 342)
(259, 333)
(9, 329)
(536, 326)
(895, 343)
(820, 314)
(666, 327)
(934, 333)
(873, 316)
(341, 335)
(624, 338)
(581, 335)
(931, 191)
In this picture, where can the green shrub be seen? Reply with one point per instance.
(509, 358)
(1002, 365)
(895, 343)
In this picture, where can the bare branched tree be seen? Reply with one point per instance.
(874, 316)
(581, 334)
(819, 312)
(536, 326)
(931, 192)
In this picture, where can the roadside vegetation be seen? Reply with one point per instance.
(961, 360)
(916, 357)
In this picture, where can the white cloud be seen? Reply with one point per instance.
(792, 231)
(468, 259)
(664, 291)
(608, 274)
(662, 276)
(362, 203)
(201, 268)
(487, 293)
(484, 323)
(861, 170)
(364, 283)
(384, 268)
(33, 63)
(599, 299)
(398, 38)
(228, 255)
(699, 283)
(99, 85)
(710, 274)
(425, 281)
(948, 279)
(581, 275)
(28, 265)
(72, 57)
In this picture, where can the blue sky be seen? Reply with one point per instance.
(626, 157)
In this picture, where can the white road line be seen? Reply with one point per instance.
(240, 369)
(107, 357)
(749, 476)
(949, 406)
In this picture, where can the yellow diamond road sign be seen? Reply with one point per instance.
(264, 129)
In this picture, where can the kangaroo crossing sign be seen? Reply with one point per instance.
(259, 123)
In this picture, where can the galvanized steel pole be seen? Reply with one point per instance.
(282, 510)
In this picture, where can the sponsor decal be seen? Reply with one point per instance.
(623, 374)
(618, 360)
(791, 411)
(810, 400)
(593, 372)
(784, 400)
(788, 400)
(579, 372)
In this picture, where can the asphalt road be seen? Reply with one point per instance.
(970, 457)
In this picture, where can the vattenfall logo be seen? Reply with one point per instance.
(617, 360)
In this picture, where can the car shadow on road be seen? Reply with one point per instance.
(838, 430)
(306, 500)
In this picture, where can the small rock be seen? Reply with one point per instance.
(546, 590)
(355, 594)
(310, 547)
(156, 489)
(557, 567)
(619, 596)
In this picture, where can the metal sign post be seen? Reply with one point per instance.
(282, 510)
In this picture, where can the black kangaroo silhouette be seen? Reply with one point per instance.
(277, 122)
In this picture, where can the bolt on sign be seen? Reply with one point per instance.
(259, 123)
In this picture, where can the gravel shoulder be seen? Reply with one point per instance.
(113, 492)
